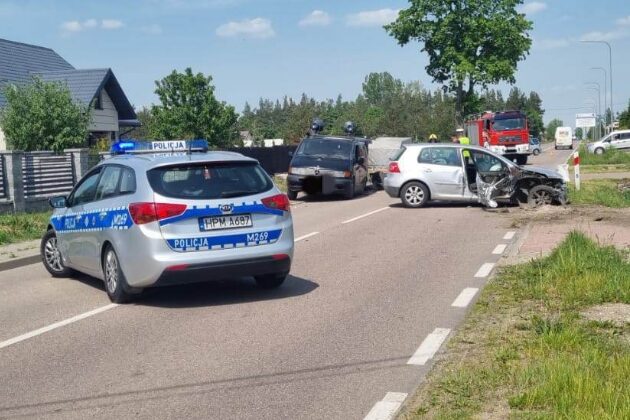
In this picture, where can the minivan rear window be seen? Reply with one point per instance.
(212, 180)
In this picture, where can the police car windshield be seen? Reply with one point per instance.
(509, 124)
(210, 180)
(341, 149)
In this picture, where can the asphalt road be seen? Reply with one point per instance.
(372, 285)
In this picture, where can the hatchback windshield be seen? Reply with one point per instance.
(210, 180)
(509, 124)
(325, 148)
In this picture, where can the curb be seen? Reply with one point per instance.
(19, 262)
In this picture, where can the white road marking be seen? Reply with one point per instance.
(500, 249)
(301, 238)
(508, 236)
(464, 298)
(484, 270)
(387, 408)
(429, 346)
(56, 325)
(364, 215)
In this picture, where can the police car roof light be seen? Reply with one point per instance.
(133, 146)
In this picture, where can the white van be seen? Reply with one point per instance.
(564, 137)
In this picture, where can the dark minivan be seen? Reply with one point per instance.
(329, 165)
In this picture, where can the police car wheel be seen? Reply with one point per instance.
(292, 195)
(270, 281)
(115, 283)
(51, 256)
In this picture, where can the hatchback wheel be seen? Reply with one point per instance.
(51, 256)
(540, 195)
(115, 281)
(599, 151)
(414, 195)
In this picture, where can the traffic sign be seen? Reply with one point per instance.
(585, 120)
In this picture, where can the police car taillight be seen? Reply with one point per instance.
(277, 202)
(142, 213)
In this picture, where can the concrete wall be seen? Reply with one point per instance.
(105, 119)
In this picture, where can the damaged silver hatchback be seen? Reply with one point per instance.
(420, 173)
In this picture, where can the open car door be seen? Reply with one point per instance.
(493, 177)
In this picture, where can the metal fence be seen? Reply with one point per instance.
(3, 178)
(46, 174)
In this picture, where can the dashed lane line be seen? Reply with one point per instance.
(484, 270)
(509, 236)
(429, 347)
(354, 219)
(465, 297)
(310, 235)
(387, 408)
(500, 249)
(56, 325)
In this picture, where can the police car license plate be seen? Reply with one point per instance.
(226, 222)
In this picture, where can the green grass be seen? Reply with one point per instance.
(525, 351)
(599, 169)
(603, 192)
(281, 183)
(20, 227)
(610, 157)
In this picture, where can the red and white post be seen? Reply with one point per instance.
(576, 169)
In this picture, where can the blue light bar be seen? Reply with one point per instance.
(132, 146)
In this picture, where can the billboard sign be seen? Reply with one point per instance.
(585, 120)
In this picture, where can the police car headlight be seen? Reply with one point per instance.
(299, 171)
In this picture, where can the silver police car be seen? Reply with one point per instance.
(144, 220)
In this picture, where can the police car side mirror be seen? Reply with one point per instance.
(58, 202)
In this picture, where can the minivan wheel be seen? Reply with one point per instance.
(292, 195)
(51, 255)
(599, 151)
(414, 195)
(115, 282)
(536, 152)
(540, 195)
(349, 192)
(270, 281)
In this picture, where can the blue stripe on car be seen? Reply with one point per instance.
(92, 221)
(206, 243)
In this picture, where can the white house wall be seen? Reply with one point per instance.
(105, 119)
(3, 142)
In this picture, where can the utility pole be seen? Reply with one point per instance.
(610, 72)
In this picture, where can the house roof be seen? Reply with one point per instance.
(84, 85)
(20, 62)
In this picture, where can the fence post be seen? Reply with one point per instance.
(80, 164)
(15, 179)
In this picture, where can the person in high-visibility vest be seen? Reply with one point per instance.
(433, 138)
(464, 140)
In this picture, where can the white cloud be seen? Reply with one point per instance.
(618, 33)
(249, 28)
(316, 18)
(73, 26)
(153, 29)
(551, 43)
(624, 21)
(373, 17)
(532, 8)
(111, 24)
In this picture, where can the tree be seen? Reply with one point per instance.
(189, 110)
(43, 116)
(146, 122)
(579, 133)
(469, 42)
(624, 118)
(551, 128)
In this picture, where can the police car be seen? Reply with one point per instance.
(167, 213)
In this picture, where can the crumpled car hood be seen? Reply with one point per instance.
(537, 170)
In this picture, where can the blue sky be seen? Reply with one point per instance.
(272, 48)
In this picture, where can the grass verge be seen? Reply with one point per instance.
(603, 169)
(610, 157)
(526, 352)
(20, 227)
(281, 182)
(603, 192)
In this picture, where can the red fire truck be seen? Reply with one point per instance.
(505, 133)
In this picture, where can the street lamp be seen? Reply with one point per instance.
(610, 71)
(605, 86)
(599, 107)
(591, 85)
